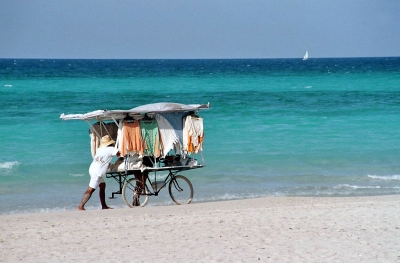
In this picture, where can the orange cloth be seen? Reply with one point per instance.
(192, 148)
(131, 138)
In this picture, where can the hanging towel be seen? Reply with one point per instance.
(167, 133)
(193, 134)
(94, 143)
(176, 121)
(131, 138)
(151, 138)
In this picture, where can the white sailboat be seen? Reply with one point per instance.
(305, 56)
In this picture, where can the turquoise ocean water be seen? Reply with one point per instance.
(276, 127)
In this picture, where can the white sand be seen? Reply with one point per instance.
(356, 229)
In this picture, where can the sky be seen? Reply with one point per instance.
(198, 29)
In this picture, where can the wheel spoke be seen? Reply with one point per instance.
(132, 193)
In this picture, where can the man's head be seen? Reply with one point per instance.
(106, 141)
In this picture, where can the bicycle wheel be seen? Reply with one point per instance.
(180, 190)
(131, 193)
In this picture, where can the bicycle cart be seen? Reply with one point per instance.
(156, 142)
(135, 194)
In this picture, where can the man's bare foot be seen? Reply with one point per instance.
(81, 208)
(107, 207)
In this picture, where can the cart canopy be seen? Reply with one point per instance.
(148, 108)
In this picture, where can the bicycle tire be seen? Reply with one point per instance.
(129, 193)
(180, 190)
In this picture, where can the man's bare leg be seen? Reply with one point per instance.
(102, 195)
(85, 198)
(138, 189)
(145, 174)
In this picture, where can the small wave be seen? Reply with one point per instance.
(9, 165)
(39, 210)
(308, 87)
(347, 186)
(8, 85)
(385, 178)
(77, 175)
(227, 196)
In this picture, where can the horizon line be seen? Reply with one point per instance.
(38, 58)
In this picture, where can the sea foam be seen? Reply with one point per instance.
(385, 178)
(9, 165)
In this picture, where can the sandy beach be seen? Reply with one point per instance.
(273, 229)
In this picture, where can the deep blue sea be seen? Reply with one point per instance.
(276, 127)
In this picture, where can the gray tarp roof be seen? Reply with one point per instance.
(140, 110)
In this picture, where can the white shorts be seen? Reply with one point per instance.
(95, 181)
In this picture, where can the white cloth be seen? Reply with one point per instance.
(168, 134)
(192, 127)
(196, 130)
(119, 135)
(101, 161)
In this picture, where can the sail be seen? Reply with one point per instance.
(305, 56)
